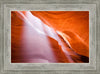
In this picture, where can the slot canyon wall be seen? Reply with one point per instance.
(49, 36)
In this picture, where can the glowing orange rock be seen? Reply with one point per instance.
(44, 38)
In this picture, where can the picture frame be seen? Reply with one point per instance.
(53, 68)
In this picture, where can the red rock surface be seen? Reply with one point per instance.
(49, 36)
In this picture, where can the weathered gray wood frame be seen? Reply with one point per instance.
(7, 6)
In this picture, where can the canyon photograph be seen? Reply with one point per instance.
(49, 36)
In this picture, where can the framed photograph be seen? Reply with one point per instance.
(56, 37)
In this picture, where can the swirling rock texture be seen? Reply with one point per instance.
(49, 36)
